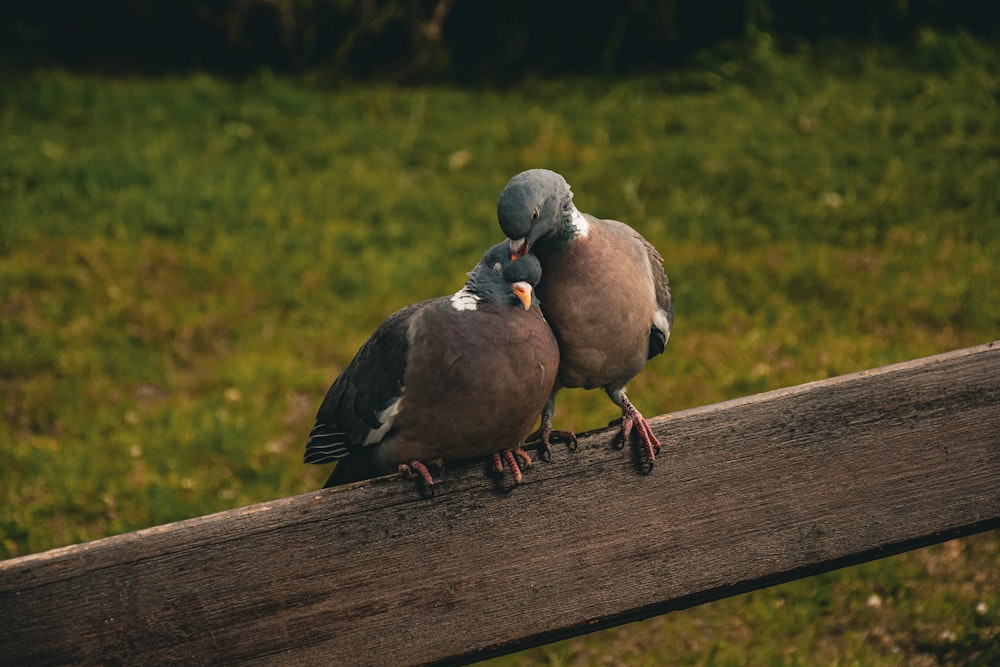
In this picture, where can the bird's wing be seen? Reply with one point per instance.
(359, 407)
(664, 321)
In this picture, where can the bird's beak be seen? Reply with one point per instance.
(523, 292)
(518, 248)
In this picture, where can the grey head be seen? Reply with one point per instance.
(535, 206)
(501, 279)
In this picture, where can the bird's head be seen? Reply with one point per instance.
(533, 208)
(500, 277)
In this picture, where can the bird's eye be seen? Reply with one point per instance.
(535, 214)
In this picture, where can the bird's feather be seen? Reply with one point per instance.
(606, 295)
(450, 377)
(371, 383)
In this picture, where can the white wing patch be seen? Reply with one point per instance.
(386, 418)
(661, 322)
(463, 299)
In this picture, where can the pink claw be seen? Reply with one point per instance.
(510, 456)
(631, 418)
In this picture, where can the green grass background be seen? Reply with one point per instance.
(187, 262)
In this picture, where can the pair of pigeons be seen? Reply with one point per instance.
(467, 375)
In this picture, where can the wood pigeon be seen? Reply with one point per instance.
(605, 294)
(453, 377)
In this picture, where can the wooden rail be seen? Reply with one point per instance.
(745, 494)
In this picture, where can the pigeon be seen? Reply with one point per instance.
(605, 295)
(453, 377)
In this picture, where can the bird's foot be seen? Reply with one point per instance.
(631, 421)
(416, 470)
(510, 456)
(545, 436)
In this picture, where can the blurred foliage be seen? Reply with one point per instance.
(470, 41)
(187, 262)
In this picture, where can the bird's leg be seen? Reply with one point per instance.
(510, 456)
(418, 471)
(632, 419)
(545, 434)
(497, 468)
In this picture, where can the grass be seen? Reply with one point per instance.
(187, 262)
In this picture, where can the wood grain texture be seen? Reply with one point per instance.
(745, 493)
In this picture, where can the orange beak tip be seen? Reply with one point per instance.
(523, 293)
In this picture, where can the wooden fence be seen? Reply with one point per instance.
(745, 494)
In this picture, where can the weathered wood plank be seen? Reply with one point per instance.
(746, 493)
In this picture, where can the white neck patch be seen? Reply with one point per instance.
(579, 224)
(463, 299)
